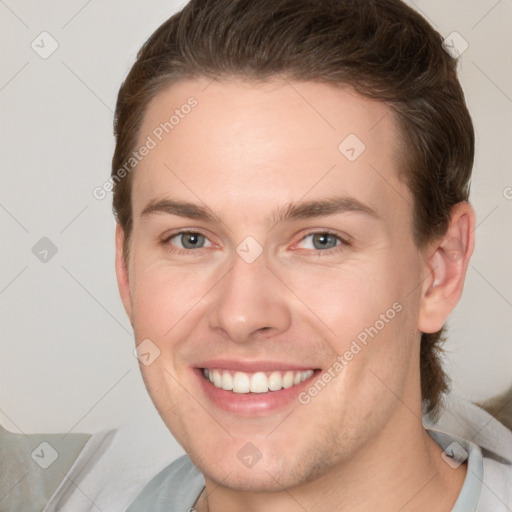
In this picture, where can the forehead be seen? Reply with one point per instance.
(236, 143)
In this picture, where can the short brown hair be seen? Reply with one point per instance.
(382, 48)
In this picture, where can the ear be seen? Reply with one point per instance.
(123, 282)
(447, 260)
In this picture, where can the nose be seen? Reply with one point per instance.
(249, 302)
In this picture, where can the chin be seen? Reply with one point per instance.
(270, 473)
(258, 479)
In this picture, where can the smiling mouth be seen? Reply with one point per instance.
(258, 382)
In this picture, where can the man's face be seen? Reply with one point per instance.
(296, 251)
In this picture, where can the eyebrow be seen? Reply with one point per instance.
(290, 211)
(181, 209)
(322, 208)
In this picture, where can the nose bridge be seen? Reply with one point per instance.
(249, 300)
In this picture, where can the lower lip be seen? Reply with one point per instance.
(251, 404)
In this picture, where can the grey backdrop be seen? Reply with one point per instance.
(66, 361)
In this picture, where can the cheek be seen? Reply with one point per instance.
(367, 314)
(164, 298)
(349, 298)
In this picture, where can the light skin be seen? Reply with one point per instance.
(231, 169)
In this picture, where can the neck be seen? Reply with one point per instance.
(402, 470)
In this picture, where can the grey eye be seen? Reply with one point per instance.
(189, 240)
(324, 241)
(319, 241)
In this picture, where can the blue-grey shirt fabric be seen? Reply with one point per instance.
(177, 487)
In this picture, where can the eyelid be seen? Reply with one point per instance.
(344, 239)
(193, 233)
(165, 240)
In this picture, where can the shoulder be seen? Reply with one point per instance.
(176, 487)
(496, 486)
(487, 444)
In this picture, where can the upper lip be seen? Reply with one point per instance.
(252, 366)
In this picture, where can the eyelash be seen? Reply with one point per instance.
(343, 243)
(177, 250)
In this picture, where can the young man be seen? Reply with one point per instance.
(291, 184)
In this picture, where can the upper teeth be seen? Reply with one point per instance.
(259, 382)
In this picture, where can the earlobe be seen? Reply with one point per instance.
(447, 262)
(122, 274)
